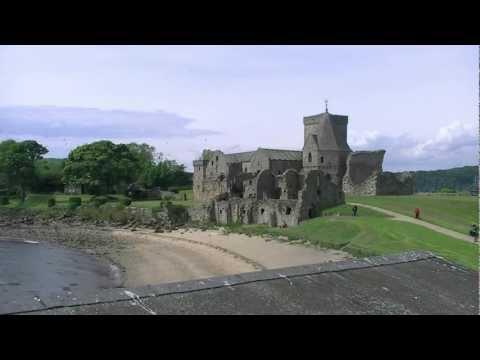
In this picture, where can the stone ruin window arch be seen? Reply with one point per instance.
(262, 210)
(288, 211)
(321, 159)
(309, 157)
(216, 158)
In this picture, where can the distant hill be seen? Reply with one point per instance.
(458, 179)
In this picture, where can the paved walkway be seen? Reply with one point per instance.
(401, 217)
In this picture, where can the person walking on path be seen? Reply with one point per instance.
(417, 213)
(354, 210)
(474, 232)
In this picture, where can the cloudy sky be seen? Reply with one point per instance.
(420, 103)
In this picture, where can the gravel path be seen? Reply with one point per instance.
(401, 217)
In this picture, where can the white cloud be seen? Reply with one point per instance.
(75, 122)
(453, 145)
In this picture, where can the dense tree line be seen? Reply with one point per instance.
(456, 179)
(100, 167)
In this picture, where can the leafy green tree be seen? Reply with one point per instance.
(49, 175)
(17, 163)
(166, 173)
(102, 166)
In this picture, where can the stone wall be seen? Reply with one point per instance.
(362, 171)
(364, 176)
(202, 213)
(271, 212)
(318, 193)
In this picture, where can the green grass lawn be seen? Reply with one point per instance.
(178, 200)
(370, 234)
(453, 212)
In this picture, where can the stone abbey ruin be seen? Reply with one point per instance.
(284, 187)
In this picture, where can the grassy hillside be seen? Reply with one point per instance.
(459, 179)
(371, 233)
(453, 212)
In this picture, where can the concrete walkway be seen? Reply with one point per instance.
(401, 217)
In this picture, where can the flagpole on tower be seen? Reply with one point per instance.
(326, 105)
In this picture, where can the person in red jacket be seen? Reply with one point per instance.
(417, 213)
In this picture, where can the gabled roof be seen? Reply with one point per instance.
(280, 154)
(239, 157)
(273, 154)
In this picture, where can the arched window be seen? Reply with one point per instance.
(309, 157)
(321, 159)
(216, 158)
(288, 211)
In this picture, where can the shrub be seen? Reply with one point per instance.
(447, 190)
(126, 202)
(4, 200)
(74, 202)
(168, 197)
(51, 202)
(98, 201)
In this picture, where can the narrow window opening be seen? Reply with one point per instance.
(262, 211)
(321, 159)
(288, 211)
(310, 157)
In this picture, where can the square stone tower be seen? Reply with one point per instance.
(325, 145)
